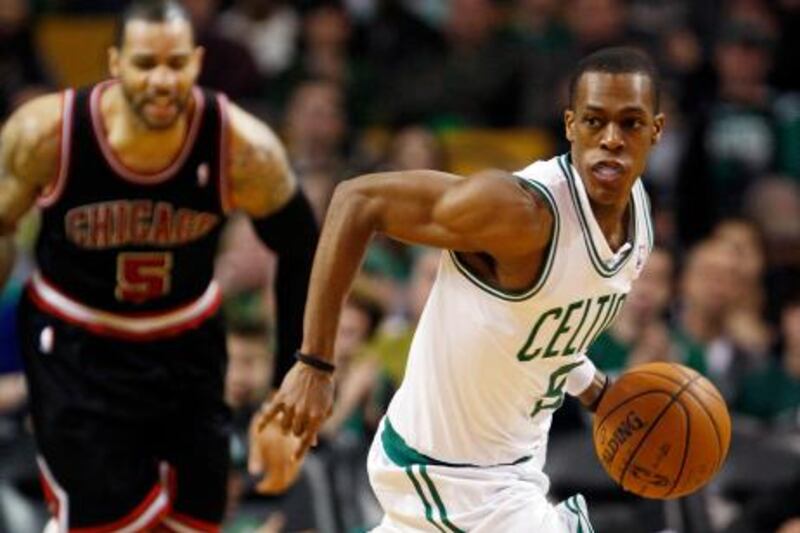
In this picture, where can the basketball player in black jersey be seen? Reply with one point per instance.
(123, 346)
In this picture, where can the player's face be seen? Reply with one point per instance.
(158, 65)
(612, 128)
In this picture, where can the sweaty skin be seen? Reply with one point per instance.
(499, 228)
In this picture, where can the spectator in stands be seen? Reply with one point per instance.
(403, 52)
(361, 317)
(269, 28)
(22, 74)
(228, 65)
(708, 291)
(546, 53)
(595, 24)
(746, 318)
(741, 134)
(772, 394)
(324, 52)
(315, 127)
(773, 203)
(640, 333)
(393, 342)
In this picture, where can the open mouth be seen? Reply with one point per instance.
(608, 170)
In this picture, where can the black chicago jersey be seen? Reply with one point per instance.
(127, 242)
(123, 344)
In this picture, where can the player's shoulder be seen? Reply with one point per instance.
(548, 177)
(548, 172)
(36, 121)
(246, 126)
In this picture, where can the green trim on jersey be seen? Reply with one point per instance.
(576, 508)
(425, 503)
(514, 296)
(438, 500)
(599, 265)
(648, 216)
(404, 455)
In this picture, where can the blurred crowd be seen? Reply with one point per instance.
(354, 86)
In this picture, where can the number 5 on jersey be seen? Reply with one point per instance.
(142, 276)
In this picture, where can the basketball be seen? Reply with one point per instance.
(662, 431)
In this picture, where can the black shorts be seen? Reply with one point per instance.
(129, 433)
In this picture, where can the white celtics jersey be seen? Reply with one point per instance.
(487, 368)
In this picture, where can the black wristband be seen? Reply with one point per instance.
(596, 403)
(315, 362)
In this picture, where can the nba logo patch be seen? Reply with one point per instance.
(202, 175)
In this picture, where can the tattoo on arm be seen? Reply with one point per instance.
(261, 180)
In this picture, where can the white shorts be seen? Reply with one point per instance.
(417, 495)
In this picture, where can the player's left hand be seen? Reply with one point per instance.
(304, 401)
(272, 452)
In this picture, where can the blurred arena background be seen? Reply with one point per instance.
(358, 85)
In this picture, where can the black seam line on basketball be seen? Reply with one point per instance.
(626, 402)
(685, 448)
(712, 392)
(702, 404)
(650, 429)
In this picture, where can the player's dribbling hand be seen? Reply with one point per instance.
(272, 453)
(304, 401)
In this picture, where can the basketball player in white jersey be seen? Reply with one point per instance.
(536, 265)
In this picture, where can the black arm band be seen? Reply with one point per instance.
(315, 362)
(292, 234)
(593, 406)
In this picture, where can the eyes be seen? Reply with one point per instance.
(596, 122)
(148, 62)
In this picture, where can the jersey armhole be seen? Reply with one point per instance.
(518, 296)
(51, 194)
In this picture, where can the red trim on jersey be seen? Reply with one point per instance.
(144, 178)
(132, 516)
(52, 192)
(224, 154)
(56, 496)
(53, 504)
(102, 327)
(193, 523)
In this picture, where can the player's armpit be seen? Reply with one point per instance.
(260, 178)
(29, 156)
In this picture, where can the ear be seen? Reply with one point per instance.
(196, 61)
(569, 124)
(114, 61)
(658, 127)
(198, 55)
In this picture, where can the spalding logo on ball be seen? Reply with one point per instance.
(662, 431)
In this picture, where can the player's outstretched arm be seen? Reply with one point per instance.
(29, 154)
(490, 213)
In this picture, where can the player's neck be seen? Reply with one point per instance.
(138, 146)
(613, 221)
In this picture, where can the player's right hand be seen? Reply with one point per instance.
(305, 400)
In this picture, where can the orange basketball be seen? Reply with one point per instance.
(662, 430)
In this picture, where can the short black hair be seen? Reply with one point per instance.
(617, 60)
(150, 11)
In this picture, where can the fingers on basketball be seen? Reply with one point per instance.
(662, 431)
